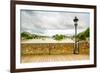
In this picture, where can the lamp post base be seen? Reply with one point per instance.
(76, 53)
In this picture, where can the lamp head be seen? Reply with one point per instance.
(75, 19)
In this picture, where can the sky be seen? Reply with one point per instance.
(52, 22)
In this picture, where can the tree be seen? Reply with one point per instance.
(87, 33)
(26, 35)
(58, 37)
(83, 35)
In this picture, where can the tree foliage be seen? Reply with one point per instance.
(58, 37)
(25, 35)
(84, 35)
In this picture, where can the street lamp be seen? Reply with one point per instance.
(76, 49)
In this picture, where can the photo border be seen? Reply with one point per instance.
(13, 35)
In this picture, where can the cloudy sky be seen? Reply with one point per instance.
(52, 22)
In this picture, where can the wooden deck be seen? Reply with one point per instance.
(52, 58)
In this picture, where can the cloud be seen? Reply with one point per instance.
(42, 21)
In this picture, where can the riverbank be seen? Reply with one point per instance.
(47, 40)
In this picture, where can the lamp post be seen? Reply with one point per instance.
(76, 49)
